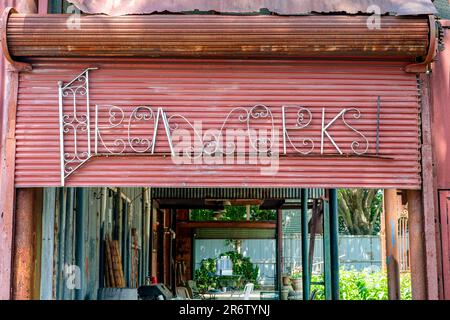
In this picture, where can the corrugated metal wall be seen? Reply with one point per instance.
(81, 218)
(440, 86)
(233, 193)
(208, 90)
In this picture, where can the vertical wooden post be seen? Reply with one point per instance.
(392, 254)
(429, 193)
(416, 245)
(24, 234)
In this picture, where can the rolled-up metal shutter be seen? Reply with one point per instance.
(215, 36)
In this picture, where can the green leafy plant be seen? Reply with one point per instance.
(362, 285)
(296, 274)
(206, 278)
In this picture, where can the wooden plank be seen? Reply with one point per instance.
(445, 236)
(48, 243)
(416, 245)
(117, 265)
(110, 280)
(429, 193)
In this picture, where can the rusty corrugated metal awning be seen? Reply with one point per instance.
(282, 7)
(215, 36)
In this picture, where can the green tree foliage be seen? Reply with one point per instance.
(359, 211)
(234, 213)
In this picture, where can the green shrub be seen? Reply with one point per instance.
(206, 278)
(364, 285)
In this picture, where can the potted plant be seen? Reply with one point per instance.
(296, 279)
(286, 280)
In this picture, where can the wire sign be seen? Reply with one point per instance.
(288, 130)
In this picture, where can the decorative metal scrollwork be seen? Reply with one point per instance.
(120, 130)
(303, 119)
(74, 121)
(355, 145)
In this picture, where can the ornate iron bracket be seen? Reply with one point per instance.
(74, 124)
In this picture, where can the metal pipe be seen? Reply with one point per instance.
(151, 268)
(23, 262)
(48, 244)
(173, 255)
(306, 275)
(334, 244)
(392, 252)
(416, 245)
(378, 126)
(80, 230)
(279, 267)
(63, 194)
(61, 134)
(327, 250)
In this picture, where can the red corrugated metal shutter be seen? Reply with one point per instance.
(208, 90)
